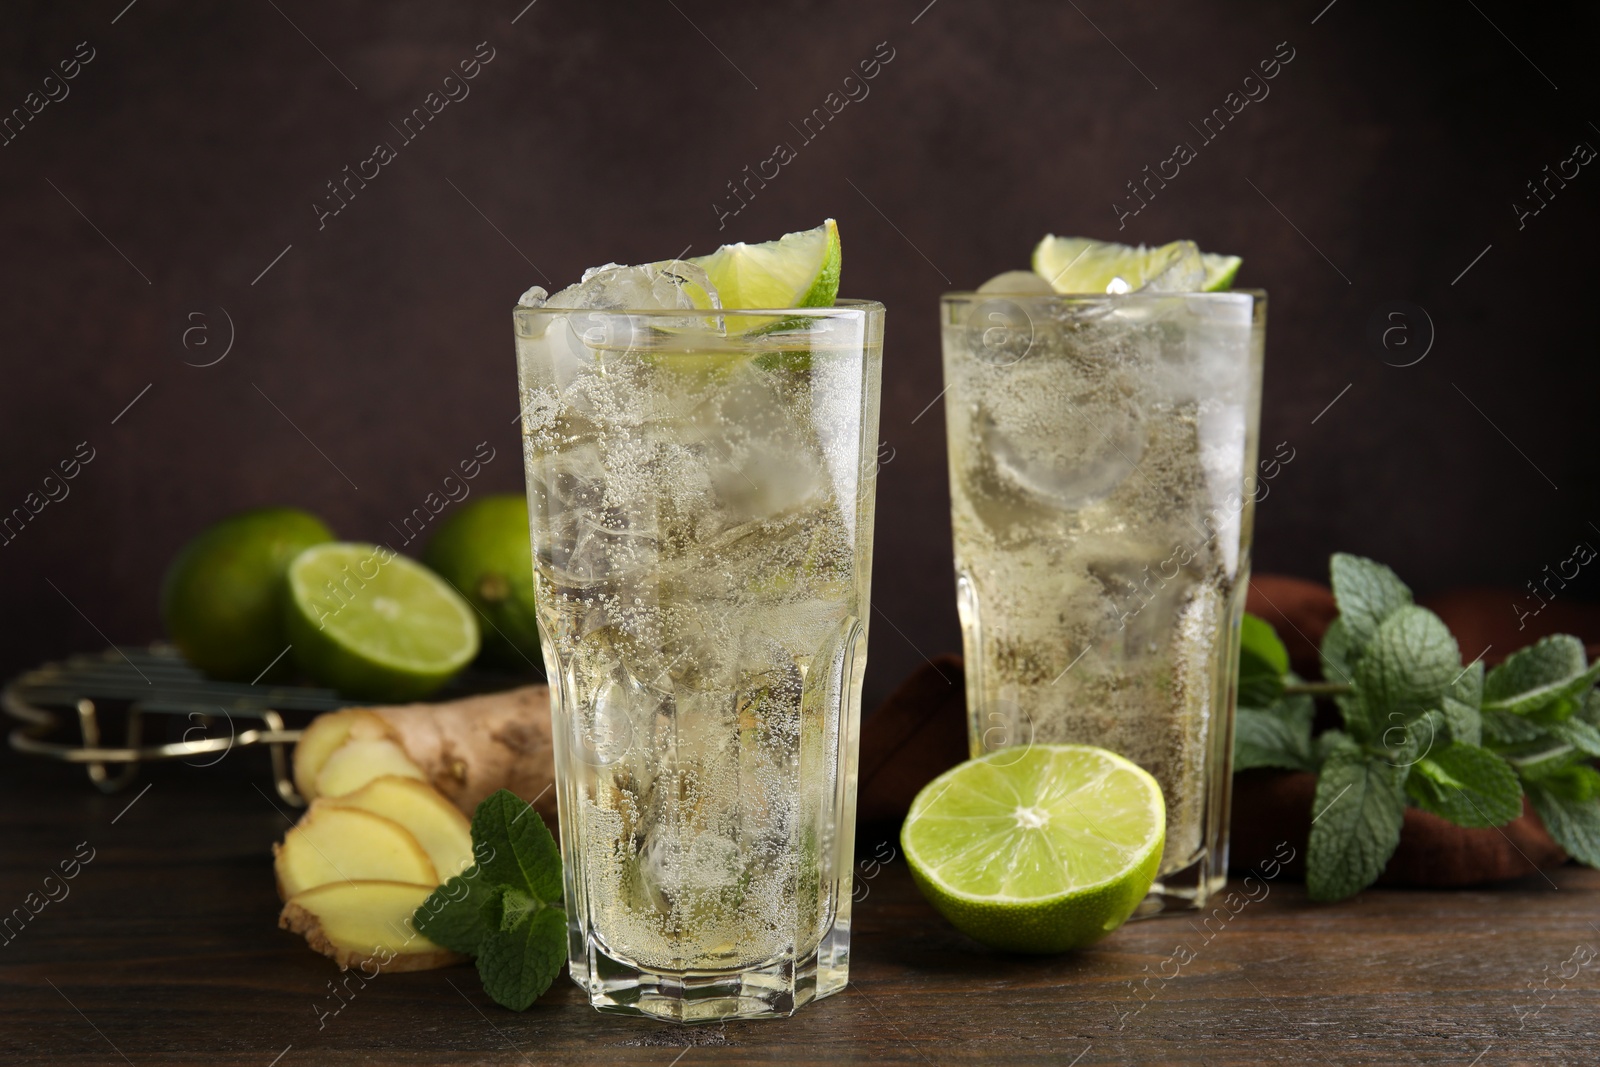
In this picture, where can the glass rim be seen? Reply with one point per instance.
(843, 305)
(973, 294)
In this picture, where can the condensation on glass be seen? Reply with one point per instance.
(700, 489)
(1103, 454)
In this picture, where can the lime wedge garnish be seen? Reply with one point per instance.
(376, 625)
(1037, 848)
(798, 270)
(1080, 265)
(1220, 271)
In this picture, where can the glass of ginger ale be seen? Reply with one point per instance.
(701, 488)
(1102, 449)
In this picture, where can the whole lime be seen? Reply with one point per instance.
(485, 552)
(222, 598)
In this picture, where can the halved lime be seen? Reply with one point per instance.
(1080, 265)
(484, 552)
(376, 625)
(222, 598)
(1037, 848)
(798, 270)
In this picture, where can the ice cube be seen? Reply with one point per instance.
(596, 534)
(1069, 436)
(1184, 273)
(533, 298)
(1061, 482)
(604, 728)
(740, 454)
(670, 285)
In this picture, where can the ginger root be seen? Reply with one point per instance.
(391, 789)
(466, 749)
(342, 844)
(366, 924)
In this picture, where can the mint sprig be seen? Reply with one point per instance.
(453, 914)
(505, 910)
(1359, 807)
(1420, 729)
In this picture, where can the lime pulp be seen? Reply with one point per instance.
(374, 624)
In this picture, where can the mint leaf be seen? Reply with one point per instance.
(1464, 720)
(522, 854)
(1330, 741)
(511, 907)
(1504, 728)
(1468, 785)
(1567, 806)
(518, 964)
(1409, 664)
(1589, 711)
(1403, 744)
(1337, 653)
(1364, 722)
(1531, 678)
(1368, 593)
(1577, 733)
(1356, 820)
(1468, 686)
(1263, 661)
(453, 914)
(1279, 736)
(1543, 760)
(1338, 665)
(1257, 637)
(1460, 705)
(1565, 773)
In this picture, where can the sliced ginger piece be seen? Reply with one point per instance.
(340, 844)
(366, 924)
(357, 762)
(441, 830)
(325, 734)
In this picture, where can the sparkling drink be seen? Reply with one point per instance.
(700, 487)
(1101, 457)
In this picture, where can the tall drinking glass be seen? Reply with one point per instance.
(1102, 452)
(700, 487)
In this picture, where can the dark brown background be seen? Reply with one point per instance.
(200, 135)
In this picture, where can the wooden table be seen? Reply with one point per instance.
(165, 950)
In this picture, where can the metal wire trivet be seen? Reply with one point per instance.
(152, 681)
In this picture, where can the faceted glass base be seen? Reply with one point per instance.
(772, 990)
(1188, 889)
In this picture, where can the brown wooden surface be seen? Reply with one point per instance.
(165, 951)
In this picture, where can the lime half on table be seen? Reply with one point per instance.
(1037, 848)
(376, 625)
